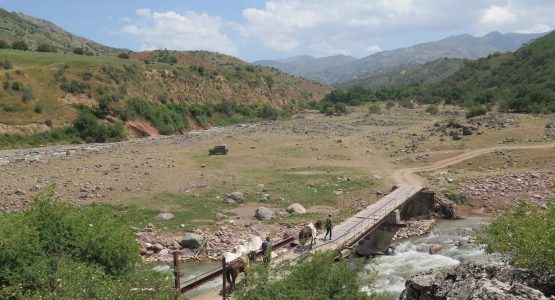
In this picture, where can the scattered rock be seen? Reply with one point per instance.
(191, 240)
(435, 248)
(263, 214)
(296, 208)
(235, 197)
(165, 216)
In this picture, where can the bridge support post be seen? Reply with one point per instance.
(224, 295)
(177, 275)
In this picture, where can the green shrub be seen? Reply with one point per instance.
(389, 105)
(79, 51)
(4, 44)
(17, 86)
(20, 45)
(316, 276)
(45, 48)
(123, 55)
(476, 110)
(86, 75)
(55, 251)
(524, 236)
(432, 109)
(268, 112)
(93, 131)
(374, 108)
(6, 64)
(74, 87)
(38, 109)
(406, 103)
(27, 94)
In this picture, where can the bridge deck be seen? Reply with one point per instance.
(357, 226)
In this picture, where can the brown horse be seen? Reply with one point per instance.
(310, 231)
(237, 266)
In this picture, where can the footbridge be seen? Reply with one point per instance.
(383, 215)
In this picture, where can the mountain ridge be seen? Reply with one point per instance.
(457, 46)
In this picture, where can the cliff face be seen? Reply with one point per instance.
(480, 281)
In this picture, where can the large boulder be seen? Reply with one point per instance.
(263, 214)
(191, 240)
(165, 216)
(480, 281)
(296, 208)
(237, 197)
(291, 232)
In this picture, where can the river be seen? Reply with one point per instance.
(411, 255)
(387, 274)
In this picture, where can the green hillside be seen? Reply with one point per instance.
(171, 91)
(523, 81)
(37, 34)
(428, 73)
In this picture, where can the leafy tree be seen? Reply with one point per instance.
(524, 236)
(20, 45)
(123, 55)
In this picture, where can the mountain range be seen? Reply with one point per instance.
(344, 68)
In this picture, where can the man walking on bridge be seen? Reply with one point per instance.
(329, 226)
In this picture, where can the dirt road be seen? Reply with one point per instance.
(408, 175)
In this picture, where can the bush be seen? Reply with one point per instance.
(79, 51)
(432, 109)
(316, 276)
(17, 86)
(92, 131)
(55, 251)
(74, 87)
(6, 64)
(38, 109)
(268, 112)
(4, 44)
(524, 236)
(476, 110)
(374, 108)
(389, 105)
(406, 103)
(45, 48)
(123, 55)
(20, 45)
(27, 94)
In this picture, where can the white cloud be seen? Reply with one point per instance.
(498, 15)
(143, 12)
(372, 49)
(537, 28)
(171, 30)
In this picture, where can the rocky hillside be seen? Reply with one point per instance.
(427, 73)
(460, 46)
(17, 27)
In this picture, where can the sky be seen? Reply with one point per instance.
(256, 29)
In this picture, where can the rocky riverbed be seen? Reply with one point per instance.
(480, 281)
